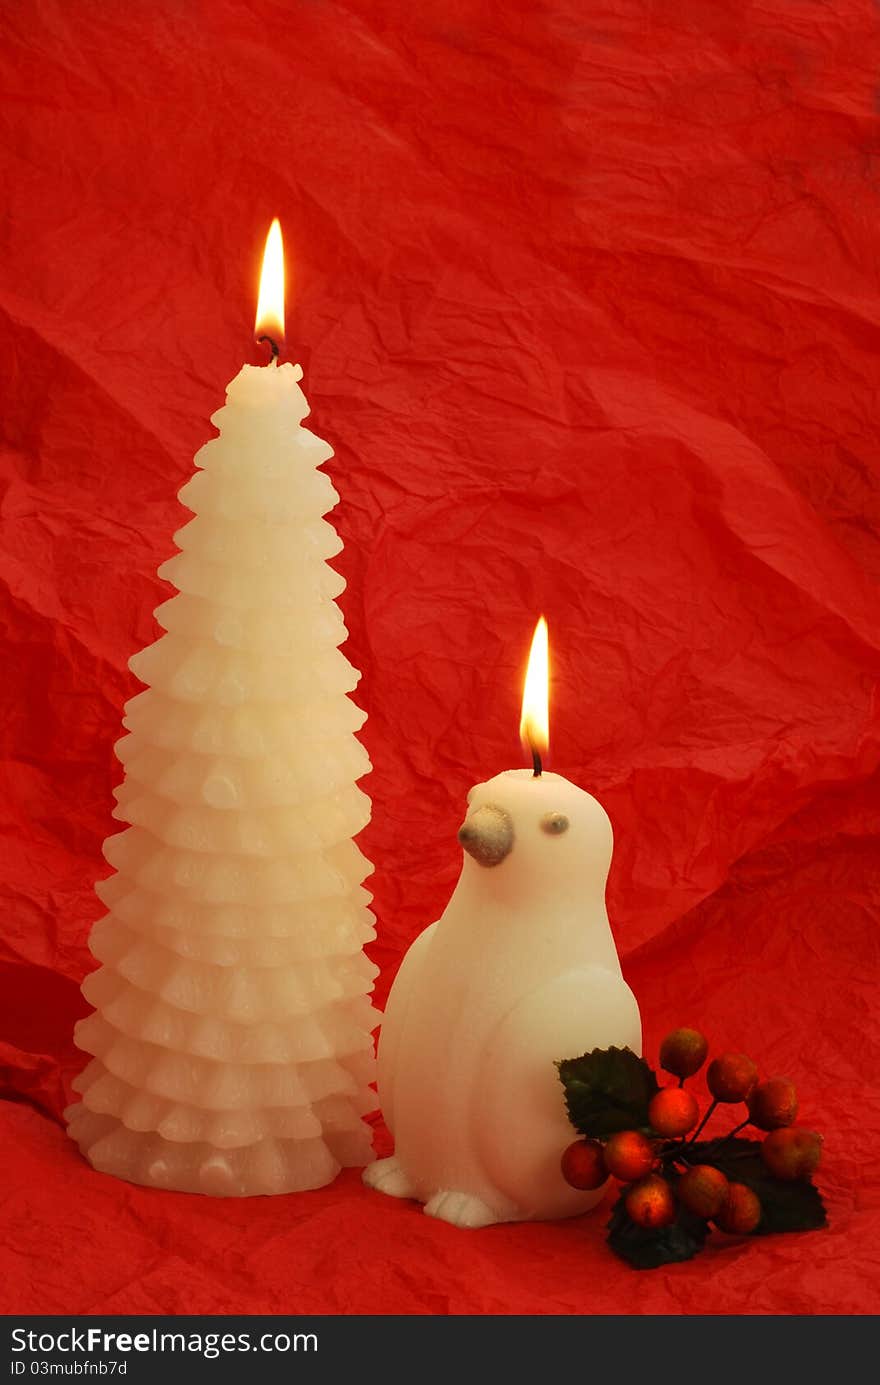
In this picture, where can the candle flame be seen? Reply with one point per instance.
(534, 726)
(270, 303)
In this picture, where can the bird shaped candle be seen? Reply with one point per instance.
(519, 972)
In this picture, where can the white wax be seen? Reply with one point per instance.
(520, 972)
(231, 1032)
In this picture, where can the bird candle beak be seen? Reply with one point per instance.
(487, 835)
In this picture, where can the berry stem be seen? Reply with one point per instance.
(673, 1152)
(702, 1123)
(737, 1128)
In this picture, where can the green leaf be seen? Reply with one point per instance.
(645, 1248)
(607, 1090)
(794, 1205)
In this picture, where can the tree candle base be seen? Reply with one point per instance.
(268, 1166)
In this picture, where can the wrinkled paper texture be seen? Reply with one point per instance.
(586, 298)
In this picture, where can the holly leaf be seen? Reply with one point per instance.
(606, 1090)
(646, 1248)
(794, 1205)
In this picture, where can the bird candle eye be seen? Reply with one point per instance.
(554, 824)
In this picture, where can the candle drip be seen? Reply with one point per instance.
(536, 763)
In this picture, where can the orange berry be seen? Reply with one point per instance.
(583, 1165)
(629, 1155)
(650, 1202)
(731, 1077)
(673, 1111)
(791, 1152)
(683, 1052)
(773, 1103)
(703, 1189)
(741, 1211)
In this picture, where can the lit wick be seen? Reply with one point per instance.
(534, 725)
(269, 322)
(272, 344)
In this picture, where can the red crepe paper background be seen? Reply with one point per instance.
(587, 300)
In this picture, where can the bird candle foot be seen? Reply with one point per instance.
(464, 1210)
(386, 1176)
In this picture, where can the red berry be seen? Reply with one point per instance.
(741, 1211)
(703, 1189)
(673, 1111)
(791, 1152)
(628, 1155)
(731, 1077)
(683, 1052)
(650, 1202)
(583, 1165)
(773, 1103)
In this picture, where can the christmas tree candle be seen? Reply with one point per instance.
(231, 1031)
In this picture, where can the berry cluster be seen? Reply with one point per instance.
(662, 1164)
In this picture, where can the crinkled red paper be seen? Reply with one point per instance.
(587, 300)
